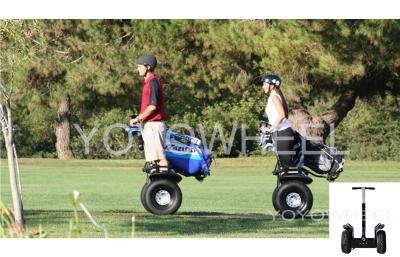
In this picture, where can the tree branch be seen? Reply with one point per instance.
(340, 109)
(77, 60)
(313, 128)
(4, 91)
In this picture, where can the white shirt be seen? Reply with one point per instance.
(273, 115)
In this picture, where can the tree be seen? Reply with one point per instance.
(363, 61)
(206, 66)
(63, 130)
(81, 69)
(15, 51)
(324, 61)
(7, 128)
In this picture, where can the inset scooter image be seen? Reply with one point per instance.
(349, 242)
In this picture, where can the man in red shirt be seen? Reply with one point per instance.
(152, 113)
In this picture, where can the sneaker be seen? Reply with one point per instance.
(150, 168)
(163, 169)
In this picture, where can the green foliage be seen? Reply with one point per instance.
(372, 130)
(9, 230)
(75, 229)
(242, 117)
(117, 138)
(209, 69)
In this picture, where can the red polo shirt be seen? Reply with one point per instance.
(153, 94)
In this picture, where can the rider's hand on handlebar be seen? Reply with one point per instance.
(134, 121)
(266, 129)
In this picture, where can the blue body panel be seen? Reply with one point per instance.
(190, 164)
(189, 160)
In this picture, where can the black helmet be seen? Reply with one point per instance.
(271, 79)
(148, 60)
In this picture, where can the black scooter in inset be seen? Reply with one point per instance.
(349, 242)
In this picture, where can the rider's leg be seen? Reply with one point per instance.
(284, 147)
(154, 143)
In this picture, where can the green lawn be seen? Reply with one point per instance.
(234, 202)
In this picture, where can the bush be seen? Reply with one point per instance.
(371, 131)
(117, 137)
(228, 117)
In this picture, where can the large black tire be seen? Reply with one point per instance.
(142, 197)
(293, 199)
(274, 199)
(381, 241)
(161, 197)
(346, 241)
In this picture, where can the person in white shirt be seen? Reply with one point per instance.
(277, 112)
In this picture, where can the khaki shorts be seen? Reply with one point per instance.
(154, 140)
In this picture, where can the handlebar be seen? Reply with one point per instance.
(135, 129)
(370, 188)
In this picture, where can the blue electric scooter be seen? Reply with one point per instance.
(186, 156)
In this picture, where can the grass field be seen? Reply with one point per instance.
(234, 202)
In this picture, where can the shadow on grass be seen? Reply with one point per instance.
(233, 224)
(187, 224)
(314, 216)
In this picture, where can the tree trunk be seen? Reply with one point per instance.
(311, 127)
(63, 130)
(318, 128)
(340, 109)
(7, 125)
